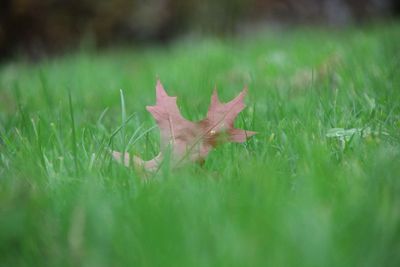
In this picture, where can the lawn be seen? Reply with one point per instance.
(319, 185)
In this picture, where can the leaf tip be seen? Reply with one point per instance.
(214, 97)
(160, 91)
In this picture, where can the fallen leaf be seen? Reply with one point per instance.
(186, 140)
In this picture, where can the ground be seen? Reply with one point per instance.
(319, 185)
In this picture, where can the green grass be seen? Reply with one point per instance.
(300, 193)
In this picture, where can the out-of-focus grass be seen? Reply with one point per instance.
(300, 193)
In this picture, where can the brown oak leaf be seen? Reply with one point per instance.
(186, 140)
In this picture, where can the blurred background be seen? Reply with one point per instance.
(45, 27)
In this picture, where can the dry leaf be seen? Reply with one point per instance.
(186, 140)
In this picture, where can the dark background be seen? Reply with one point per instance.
(44, 27)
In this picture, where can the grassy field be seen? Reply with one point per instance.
(318, 186)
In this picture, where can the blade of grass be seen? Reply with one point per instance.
(123, 119)
(73, 136)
